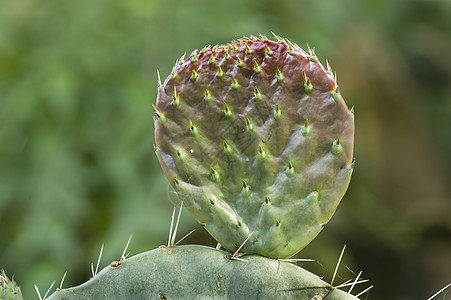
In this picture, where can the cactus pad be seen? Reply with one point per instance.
(197, 272)
(9, 290)
(257, 141)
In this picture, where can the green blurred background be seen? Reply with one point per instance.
(77, 168)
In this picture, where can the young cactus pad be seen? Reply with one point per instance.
(257, 142)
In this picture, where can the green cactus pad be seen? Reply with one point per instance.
(9, 290)
(198, 272)
(260, 141)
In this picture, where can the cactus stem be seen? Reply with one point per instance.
(207, 95)
(220, 73)
(227, 111)
(257, 94)
(235, 83)
(257, 68)
(249, 126)
(277, 112)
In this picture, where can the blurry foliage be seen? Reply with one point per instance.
(77, 80)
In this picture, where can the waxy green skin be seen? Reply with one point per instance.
(199, 272)
(9, 290)
(257, 141)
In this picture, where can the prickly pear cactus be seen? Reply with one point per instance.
(257, 141)
(9, 290)
(198, 272)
